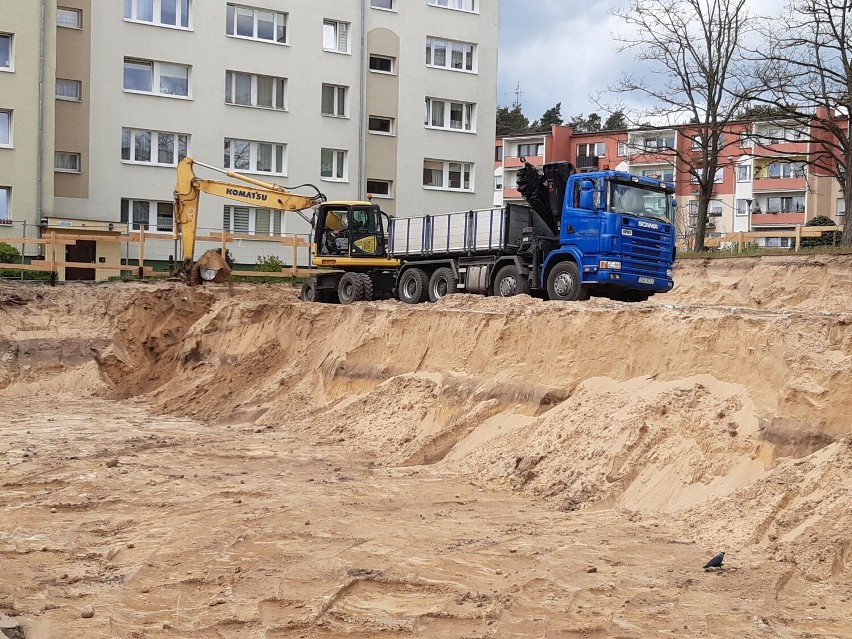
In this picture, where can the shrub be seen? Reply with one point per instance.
(827, 238)
(269, 264)
(9, 254)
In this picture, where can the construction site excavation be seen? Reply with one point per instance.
(199, 462)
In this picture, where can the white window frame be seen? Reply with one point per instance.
(717, 178)
(280, 23)
(699, 139)
(445, 178)
(742, 207)
(391, 7)
(746, 140)
(432, 47)
(68, 83)
(276, 218)
(376, 56)
(539, 149)
(154, 150)
(6, 200)
(454, 5)
(157, 74)
(10, 65)
(62, 155)
(498, 182)
(77, 13)
(279, 89)
(391, 125)
(781, 199)
(840, 207)
(659, 174)
(468, 109)
(598, 149)
(9, 143)
(339, 165)
(340, 102)
(744, 173)
(375, 194)
(787, 167)
(152, 223)
(131, 13)
(279, 153)
(335, 25)
(621, 151)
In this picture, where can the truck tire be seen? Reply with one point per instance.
(442, 283)
(351, 288)
(564, 284)
(509, 282)
(309, 291)
(367, 287)
(414, 286)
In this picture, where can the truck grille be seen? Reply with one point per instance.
(646, 251)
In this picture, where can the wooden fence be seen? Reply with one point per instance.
(55, 244)
(741, 238)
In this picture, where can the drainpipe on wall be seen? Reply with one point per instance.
(40, 142)
(362, 102)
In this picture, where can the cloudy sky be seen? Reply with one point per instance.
(563, 51)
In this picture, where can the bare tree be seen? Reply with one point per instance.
(699, 77)
(806, 67)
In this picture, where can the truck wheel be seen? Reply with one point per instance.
(414, 286)
(351, 288)
(367, 286)
(564, 284)
(510, 282)
(442, 283)
(309, 291)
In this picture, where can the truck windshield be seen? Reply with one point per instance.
(642, 201)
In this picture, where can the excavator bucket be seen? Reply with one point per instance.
(211, 267)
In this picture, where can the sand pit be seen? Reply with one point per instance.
(191, 464)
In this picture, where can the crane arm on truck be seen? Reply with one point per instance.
(189, 187)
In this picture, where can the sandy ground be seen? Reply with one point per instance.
(185, 463)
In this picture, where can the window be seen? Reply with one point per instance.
(841, 206)
(5, 52)
(5, 128)
(786, 170)
(333, 165)
(256, 24)
(379, 188)
(622, 149)
(334, 100)
(593, 149)
(157, 216)
(446, 54)
(252, 221)
(458, 5)
(255, 90)
(440, 174)
(71, 18)
(744, 173)
(153, 147)
(66, 162)
(335, 36)
(498, 153)
(698, 141)
(530, 150)
(742, 207)
(658, 142)
(717, 178)
(168, 13)
(260, 157)
(5, 204)
(746, 141)
(795, 204)
(382, 4)
(381, 64)
(377, 124)
(443, 114)
(68, 90)
(714, 209)
(664, 174)
(159, 78)
(498, 182)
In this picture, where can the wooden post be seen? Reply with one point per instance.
(740, 242)
(224, 244)
(141, 251)
(798, 237)
(295, 257)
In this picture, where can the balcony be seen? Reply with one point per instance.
(777, 219)
(510, 162)
(587, 162)
(779, 184)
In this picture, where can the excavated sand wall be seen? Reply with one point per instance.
(732, 414)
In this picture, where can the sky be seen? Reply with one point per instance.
(563, 51)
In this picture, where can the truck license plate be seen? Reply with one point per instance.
(646, 280)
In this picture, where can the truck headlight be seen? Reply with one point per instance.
(612, 265)
(668, 272)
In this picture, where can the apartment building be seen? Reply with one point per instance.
(391, 98)
(26, 112)
(762, 183)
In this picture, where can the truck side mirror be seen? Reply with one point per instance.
(674, 203)
(587, 195)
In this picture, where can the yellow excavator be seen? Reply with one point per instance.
(349, 238)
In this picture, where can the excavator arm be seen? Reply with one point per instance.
(261, 194)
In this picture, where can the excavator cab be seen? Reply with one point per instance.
(349, 230)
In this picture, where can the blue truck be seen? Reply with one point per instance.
(603, 233)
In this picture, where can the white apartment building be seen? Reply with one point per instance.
(395, 98)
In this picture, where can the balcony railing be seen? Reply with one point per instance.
(587, 161)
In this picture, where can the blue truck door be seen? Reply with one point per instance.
(582, 227)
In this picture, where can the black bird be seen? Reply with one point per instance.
(716, 562)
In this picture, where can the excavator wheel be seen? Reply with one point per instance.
(367, 285)
(351, 288)
(309, 291)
